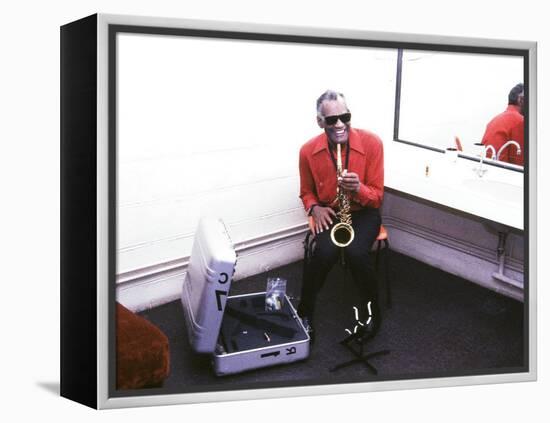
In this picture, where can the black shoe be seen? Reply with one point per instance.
(364, 327)
(369, 328)
(308, 325)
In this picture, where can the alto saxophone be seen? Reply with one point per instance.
(342, 233)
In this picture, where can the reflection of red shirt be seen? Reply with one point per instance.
(318, 173)
(505, 127)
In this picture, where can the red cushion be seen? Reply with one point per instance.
(383, 234)
(142, 352)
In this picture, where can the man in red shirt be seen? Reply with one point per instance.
(363, 181)
(507, 126)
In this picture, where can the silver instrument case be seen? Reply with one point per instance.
(236, 330)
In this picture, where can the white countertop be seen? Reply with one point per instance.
(497, 196)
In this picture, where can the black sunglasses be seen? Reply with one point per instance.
(331, 120)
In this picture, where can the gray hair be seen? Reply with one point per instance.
(329, 95)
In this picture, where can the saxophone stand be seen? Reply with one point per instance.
(356, 343)
(342, 235)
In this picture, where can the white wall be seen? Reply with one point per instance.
(213, 127)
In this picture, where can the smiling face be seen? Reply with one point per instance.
(338, 133)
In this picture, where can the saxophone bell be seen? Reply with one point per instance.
(342, 234)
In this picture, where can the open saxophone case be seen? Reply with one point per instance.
(236, 330)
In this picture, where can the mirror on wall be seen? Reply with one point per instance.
(462, 100)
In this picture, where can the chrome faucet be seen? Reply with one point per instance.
(501, 149)
(483, 155)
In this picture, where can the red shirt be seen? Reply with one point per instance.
(505, 127)
(318, 173)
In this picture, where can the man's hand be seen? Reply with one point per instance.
(322, 218)
(350, 181)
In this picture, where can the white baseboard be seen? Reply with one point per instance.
(463, 259)
(156, 285)
(150, 287)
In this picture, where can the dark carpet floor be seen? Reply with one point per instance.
(439, 325)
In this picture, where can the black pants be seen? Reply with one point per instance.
(366, 225)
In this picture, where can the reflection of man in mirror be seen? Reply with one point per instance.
(508, 126)
(362, 180)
